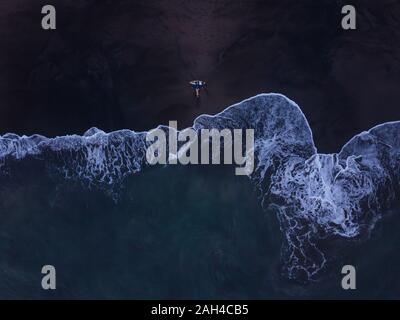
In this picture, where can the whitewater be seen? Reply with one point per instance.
(315, 196)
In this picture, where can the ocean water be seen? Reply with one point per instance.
(115, 227)
(175, 232)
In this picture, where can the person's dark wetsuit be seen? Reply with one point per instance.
(197, 85)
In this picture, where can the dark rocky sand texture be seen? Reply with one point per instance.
(115, 64)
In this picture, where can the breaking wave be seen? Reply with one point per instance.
(316, 196)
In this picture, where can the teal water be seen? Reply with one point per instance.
(174, 233)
